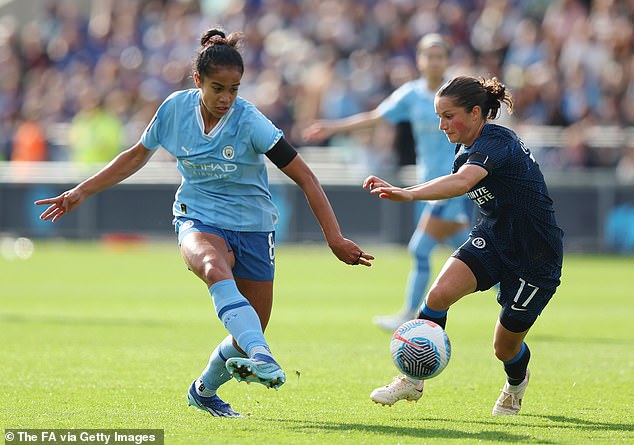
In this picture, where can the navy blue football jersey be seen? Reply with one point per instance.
(516, 211)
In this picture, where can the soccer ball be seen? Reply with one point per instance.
(420, 349)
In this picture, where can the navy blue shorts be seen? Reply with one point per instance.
(254, 251)
(521, 301)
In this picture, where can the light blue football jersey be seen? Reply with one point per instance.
(415, 103)
(224, 183)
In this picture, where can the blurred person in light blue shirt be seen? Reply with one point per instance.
(443, 221)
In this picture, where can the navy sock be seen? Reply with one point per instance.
(516, 367)
(438, 317)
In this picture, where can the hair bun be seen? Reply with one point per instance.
(213, 36)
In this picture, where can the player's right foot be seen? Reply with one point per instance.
(401, 388)
(510, 401)
(391, 322)
(260, 368)
(213, 405)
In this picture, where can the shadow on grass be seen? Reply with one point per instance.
(303, 426)
(584, 340)
(573, 422)
(89, 321)
(558, 422)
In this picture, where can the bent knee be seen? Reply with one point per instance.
(439, 297)
(505, 351)
(208, 270)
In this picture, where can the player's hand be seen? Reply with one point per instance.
(372, 182)
(316, 132)
(348, 252)
(60, 205)
(384, 189)
(393, 193)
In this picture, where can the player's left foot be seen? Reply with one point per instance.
(213, 405)
(401, 388)
(260, 368)
(391, 322)
(510, 401)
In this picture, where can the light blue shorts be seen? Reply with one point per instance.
(459, 209)
(254, 251)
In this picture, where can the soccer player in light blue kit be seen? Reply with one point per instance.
(441, 221)
(223, 213)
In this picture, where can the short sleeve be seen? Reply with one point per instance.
(150, 137)
(394, 108)
(490, 152)
(482, 160)
(264, 135)
(155, 133)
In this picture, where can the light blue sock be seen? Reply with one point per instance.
(237, 315)
(215, 374)
(420, 246)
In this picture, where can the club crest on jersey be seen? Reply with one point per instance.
(479, 243)
(228, 152)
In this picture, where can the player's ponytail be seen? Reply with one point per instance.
(488, 94)
(218, 50)
(497, 94)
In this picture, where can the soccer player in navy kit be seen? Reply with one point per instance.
(223, 213)
(516, 242)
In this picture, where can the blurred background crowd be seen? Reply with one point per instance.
(83, 80)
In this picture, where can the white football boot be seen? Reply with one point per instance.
(510, 401)
(401, 388)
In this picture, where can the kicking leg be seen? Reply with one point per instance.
(208, 257)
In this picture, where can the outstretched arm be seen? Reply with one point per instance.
(323, 129)
(124, 165)
(443, 187)
(344, 249)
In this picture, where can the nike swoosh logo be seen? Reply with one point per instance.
(515, 308)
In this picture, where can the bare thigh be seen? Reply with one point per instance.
(454, 281)
(206, 255)
(208, 258)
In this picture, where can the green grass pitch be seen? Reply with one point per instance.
(97, 337)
